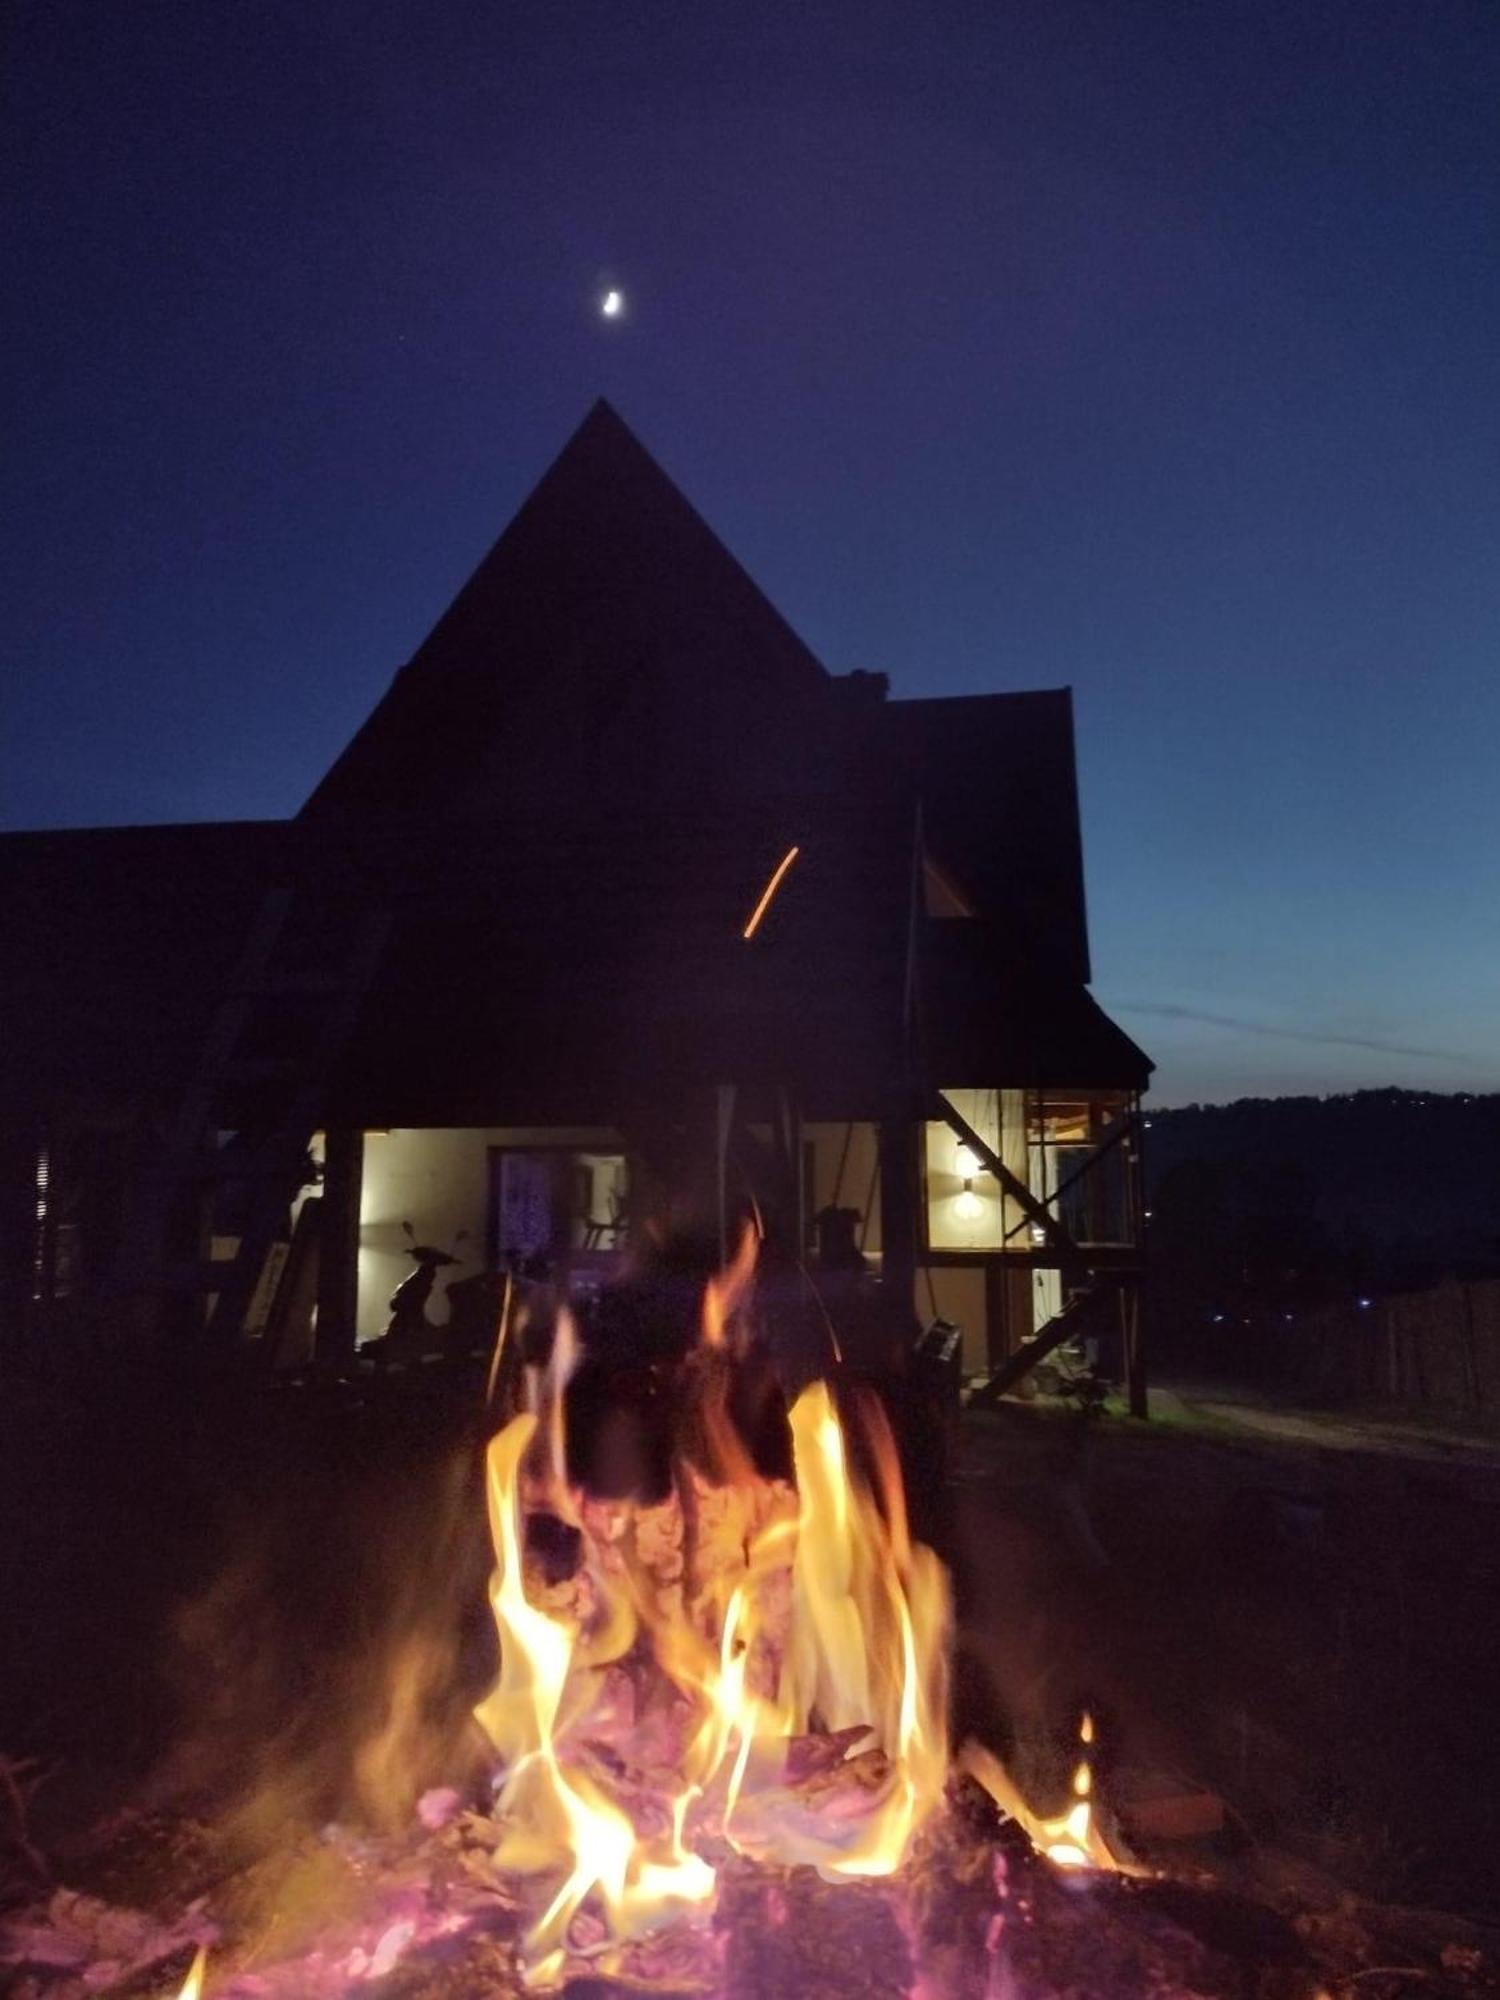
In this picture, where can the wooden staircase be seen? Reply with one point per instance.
(1083, 1314)
(235, 1151)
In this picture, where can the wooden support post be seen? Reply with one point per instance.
(725, 1098)
(997, 1343)
(1132, 1294)
(338, 1252)
(789, 1131)
(1135, 1350)
(20, 1143)
(899, 1220)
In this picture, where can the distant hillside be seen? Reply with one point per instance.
(1394, 1187)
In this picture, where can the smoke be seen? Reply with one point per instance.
(330, 1669)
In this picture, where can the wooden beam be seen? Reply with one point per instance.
(21, 1131)
(338, 1251)
(726, 1096)
(1113, 1134)
(899, 1233)
(1133, 1341)
(996, 1316)
(1133, 1295)
(1104, 1259)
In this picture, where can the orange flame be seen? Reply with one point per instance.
(869, 1637)
(726, 1291)
(811, 1626)
(552, 1814)
(192, 1987)
(828, 1618)
(1073, 1838)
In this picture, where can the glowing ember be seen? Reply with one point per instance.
(769, 891)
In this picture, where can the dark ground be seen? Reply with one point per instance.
(1312, 1633)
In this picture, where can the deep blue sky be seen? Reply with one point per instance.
(1150, 348)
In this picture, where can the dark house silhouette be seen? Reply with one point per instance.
(498, 965)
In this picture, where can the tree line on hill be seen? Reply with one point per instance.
(1269, 1209)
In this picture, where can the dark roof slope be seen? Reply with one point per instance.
(607, 644)
(549, 979)
(116, 941)
(990, 1016)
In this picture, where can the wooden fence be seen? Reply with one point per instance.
(1436, 1351)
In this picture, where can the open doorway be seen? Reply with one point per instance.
(561, 1205)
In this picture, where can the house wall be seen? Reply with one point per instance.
(843, 1175)
(438, 1180)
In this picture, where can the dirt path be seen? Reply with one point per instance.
(1339, 1430)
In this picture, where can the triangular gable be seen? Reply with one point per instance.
(607, 645)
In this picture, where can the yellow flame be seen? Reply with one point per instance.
(1070, 1840)
(552, 1815)
(192, 1987)
(769, 891)
(869, 1638)
(726, 1291)
(719, 1445)
(856, 1613)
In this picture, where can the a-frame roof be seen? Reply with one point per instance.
(607, 642)
(568, 801)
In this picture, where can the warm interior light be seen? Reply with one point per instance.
(968, 1204)
(966, 1161)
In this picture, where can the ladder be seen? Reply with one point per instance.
(264, 1164)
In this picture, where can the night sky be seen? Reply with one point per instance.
(1148, 348)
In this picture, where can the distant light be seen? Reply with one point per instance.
(1364, 1304)
(612, 305)
(1218, 1319)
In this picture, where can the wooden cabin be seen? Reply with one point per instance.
(618, 900)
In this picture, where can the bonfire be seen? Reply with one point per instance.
(718, 1765)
